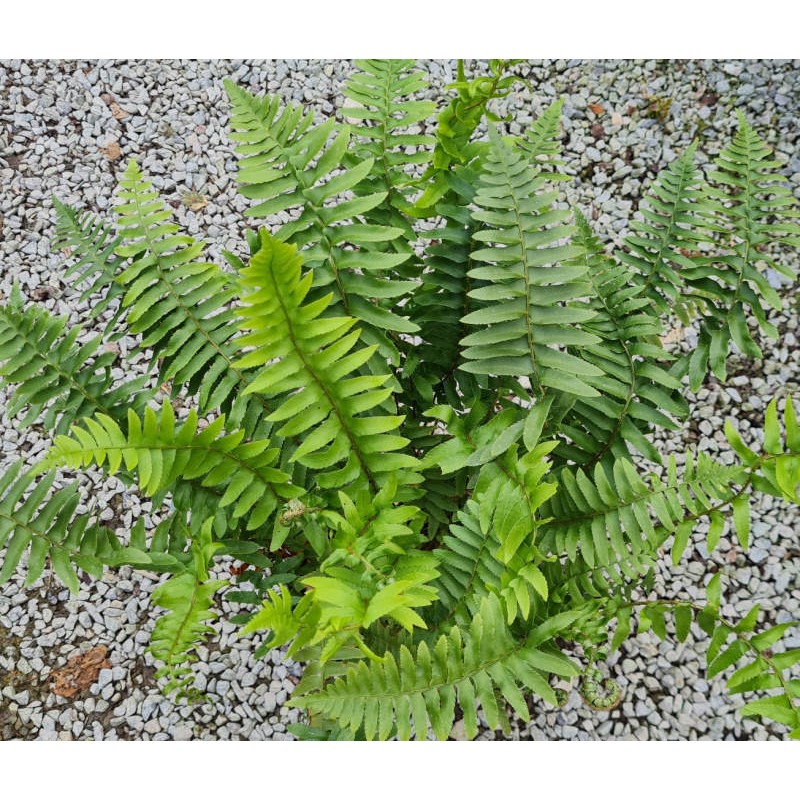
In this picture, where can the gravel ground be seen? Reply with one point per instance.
(67, 128)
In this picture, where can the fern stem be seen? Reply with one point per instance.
(365, 649)
(540, 391)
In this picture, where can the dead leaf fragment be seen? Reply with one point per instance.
(112, 151)
(117, 112)
(80, 672)
(194, 200)
(597, 108)
(673, 335)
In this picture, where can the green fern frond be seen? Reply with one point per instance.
(162, 455)
(381, 92)
(750, 211)
(660, 245)
(93, 245)
(534, 300)
(494, 548)
(286, 165)
(48, 530)
(468, 566)
(636, 391)
(482, 664)
(619, 517)
(57, 380)
(311, 360)
(763, 671)
(438, 307)
(758, 669)
(457, 124)
(188, 601)
(188, 598)
(382, 88)
(542, 142)
(280, 616)
(610, 529)
(180, 305)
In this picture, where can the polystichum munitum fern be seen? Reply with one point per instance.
(421, 411)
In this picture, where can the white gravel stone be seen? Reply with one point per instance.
(104, 678)
(182, 733)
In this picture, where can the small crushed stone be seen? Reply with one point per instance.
(67, 128)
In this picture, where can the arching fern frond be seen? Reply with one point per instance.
(48, 530)
(482, 664)
(92, 243)
(382, 88)
(57, 380)
(619, 517)
(636, 391)
(180, 305)
(162, 455)
(750, 210)
(309, 360)
(672, 227)
(610, 528)
(286, 164)
(534, 301)
(188, 598)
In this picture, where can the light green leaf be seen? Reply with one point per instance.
(741, 519)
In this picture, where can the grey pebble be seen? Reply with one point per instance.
(104, 678)
(182, 733)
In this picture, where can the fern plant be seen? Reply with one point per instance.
(420, 412)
